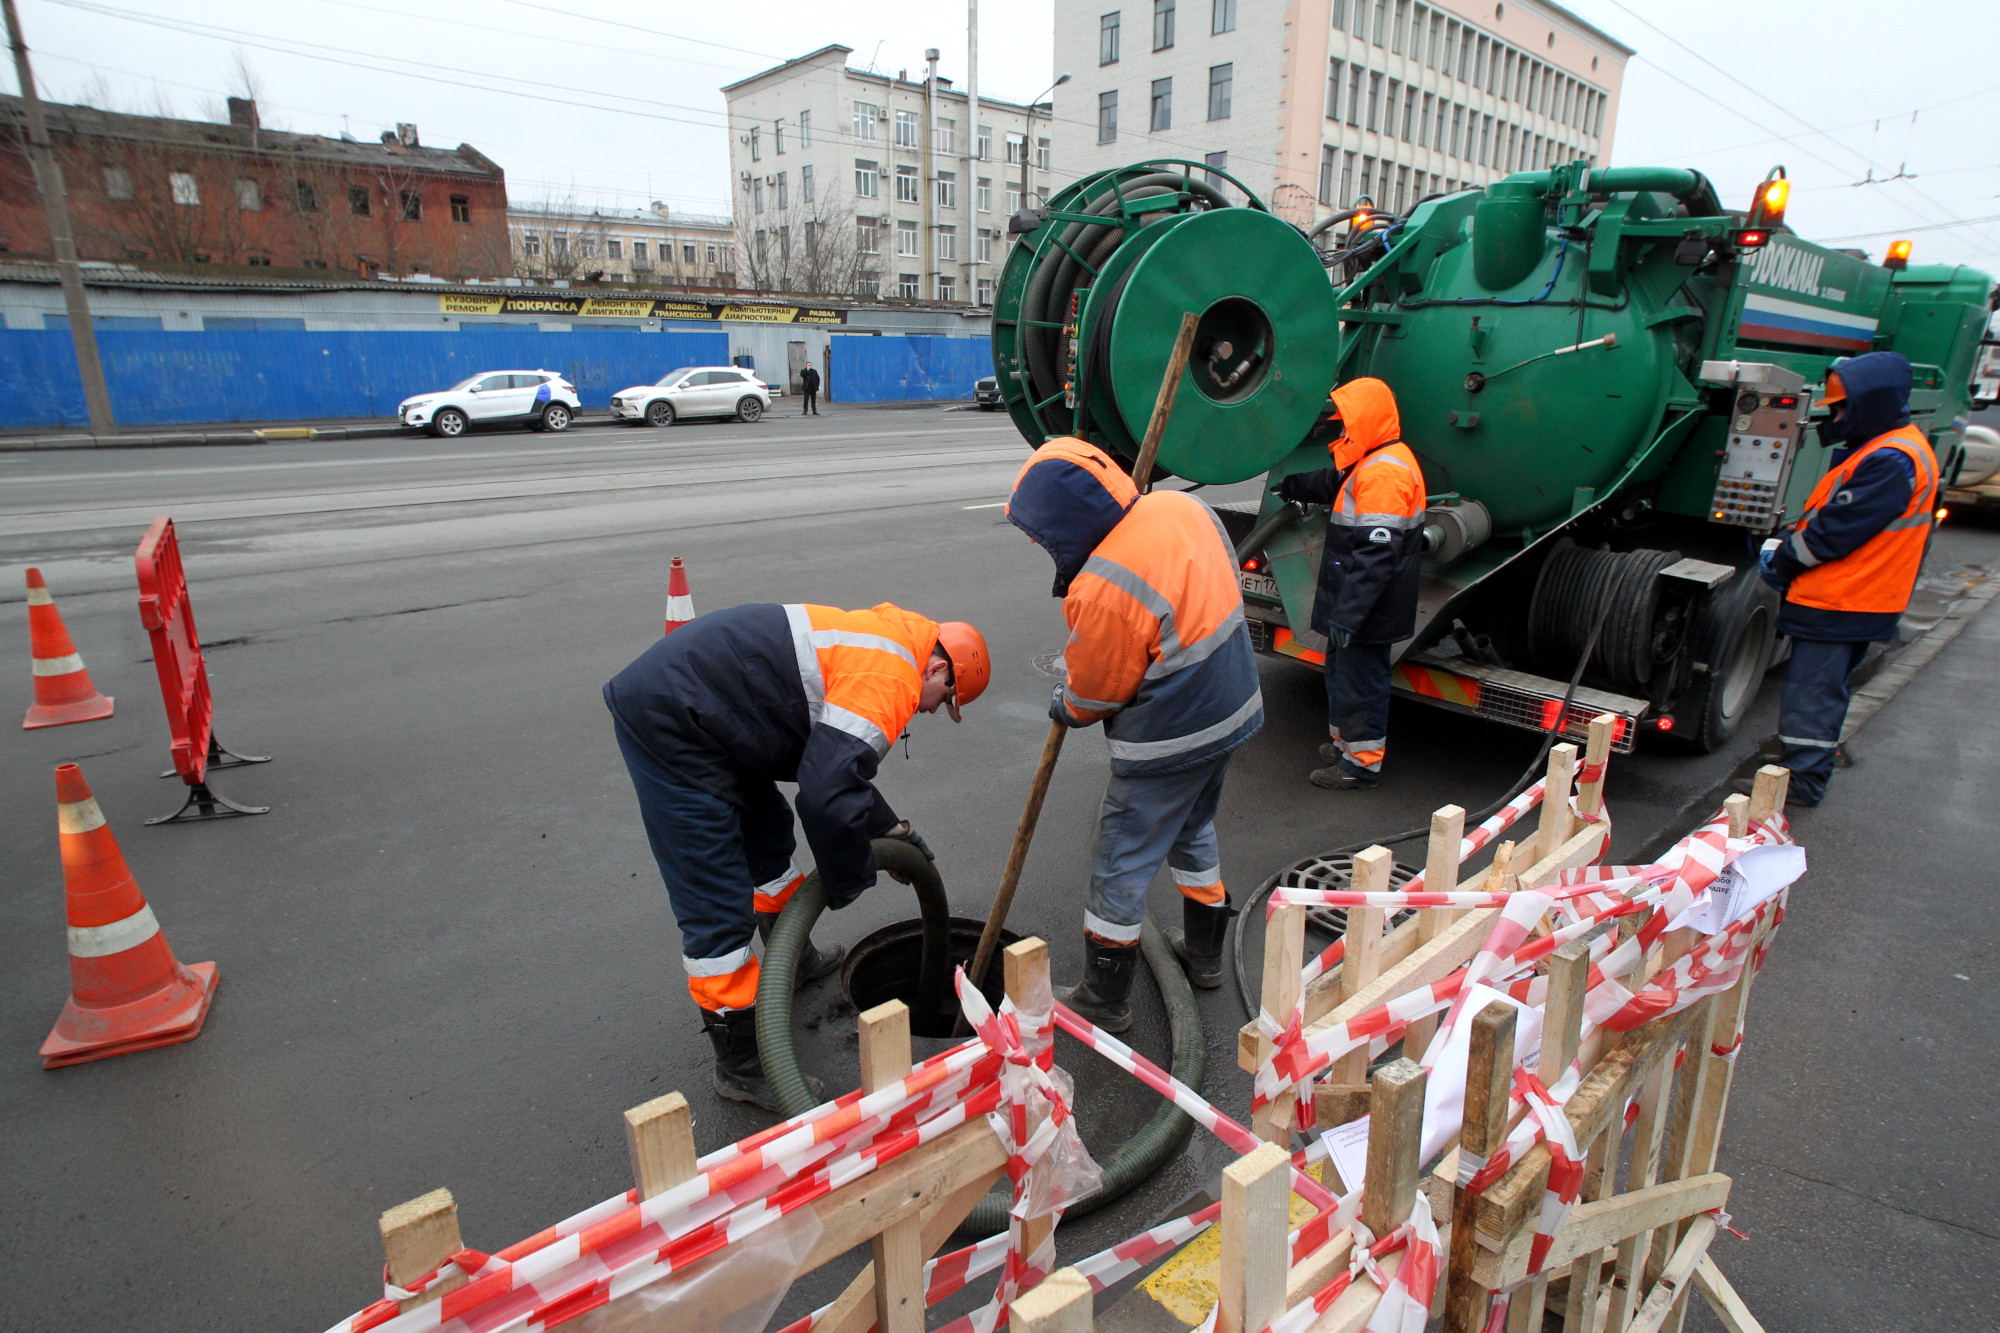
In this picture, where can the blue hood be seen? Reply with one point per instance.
(1878, 398)
(1068, 499)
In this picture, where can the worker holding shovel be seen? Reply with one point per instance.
(1157, 652)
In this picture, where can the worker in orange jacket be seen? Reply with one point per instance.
(1850, 563)
(1368, 574)
(1159, 654)
(712, 716)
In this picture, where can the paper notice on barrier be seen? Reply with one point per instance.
(1444, 1098)
(1750, 881)
(1347, 1145)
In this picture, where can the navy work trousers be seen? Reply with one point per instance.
(1812, 710)
(714, 858)
(1357, 706)
(1144, 821)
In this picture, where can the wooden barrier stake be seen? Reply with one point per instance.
(1060, 1303)
(1026, 971)
(1555, 826)
(899, 1250)
(660, 1138)
(1737, 808)
(1284, 962)
(1768, 791)
(1596, 750)
(1562, 1030)
(1488, 1074)
(418, 1236)
(1395, 1141)
(1256, 1258)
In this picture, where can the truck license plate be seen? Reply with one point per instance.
(1259, 585)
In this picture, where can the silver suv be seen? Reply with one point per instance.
(694, 391)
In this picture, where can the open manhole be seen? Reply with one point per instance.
(1336, 873)
(884, 967)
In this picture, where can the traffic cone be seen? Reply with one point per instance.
(680, 606)
(127, 990)
(63, 692)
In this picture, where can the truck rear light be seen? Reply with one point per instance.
(1664, 722)
(1751, 239)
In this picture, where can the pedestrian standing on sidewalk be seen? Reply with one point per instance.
(809, 386)
(1849, 565)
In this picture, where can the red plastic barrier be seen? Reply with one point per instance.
(169, 619)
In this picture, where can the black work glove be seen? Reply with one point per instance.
(1059, 711)
(907, 832)
(1287, 488)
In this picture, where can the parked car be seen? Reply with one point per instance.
(537, 399)
(986, 393)
(694, 391)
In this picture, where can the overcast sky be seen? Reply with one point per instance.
(616, 104)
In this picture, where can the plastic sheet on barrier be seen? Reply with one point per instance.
(169, 620)
(736, 1290)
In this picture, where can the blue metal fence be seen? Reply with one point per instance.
(905, 368)
(159, 379)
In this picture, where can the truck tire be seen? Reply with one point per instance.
(1736, 640)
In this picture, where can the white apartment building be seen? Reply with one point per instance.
(853, 182)
(647, 247)
(1318, 104)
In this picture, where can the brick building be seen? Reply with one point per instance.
(153, 190)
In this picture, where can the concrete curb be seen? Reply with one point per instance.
(263, 435)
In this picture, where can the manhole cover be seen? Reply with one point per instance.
(1050, 664)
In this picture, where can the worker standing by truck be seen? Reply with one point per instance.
(1158, 652)
(1368, 574)
(712, 716)
(1849, 565)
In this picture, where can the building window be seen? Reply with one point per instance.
(1402, 189)
(1107, 117)
(805, 129)
(614, 249)
(304, 198)
(531, 244)
(762, 249)
(1402, 17)
(784, 192)
(413, 206)
(984, 143)
(118, 182)
(1367, 194)
(906, 238)
(1328, 165)
(1381, 34)
(1163, 104)
(1340, 15)
(264, 261)
(461, 208)
(982, 247)
(1431, 49)
(947, 287)
(1013, 201)
(982, 195)
(868, 285)
(756, 194)
(1424, 124)
(1017, 149)
(1107, 38)
(756, 145)
(908, 286)
(866, 237)
(586, 247)
(639, 257)
(906, 186)
(865, 116)
(806, 184)
(1041, 155)
(1216, 162)
(867, 180)
(687, 251)
(1409, 134)
(1221, 79)
(947, 189)
(1225, 17)
(1374, 101)
(357, 200)
(249, 198)
(186, 192)
(944, 136)
(1163, 24)
(714, 253)
(986, 291)
(1389, 107)
(1346, 179)
(947, 243)
(1457, 125)
(906, 129)
(1334, 69)
(778, 136)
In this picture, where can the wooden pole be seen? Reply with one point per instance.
(1489, 1071)
(1256, 1259)
(1038, 790)
(899, 1249)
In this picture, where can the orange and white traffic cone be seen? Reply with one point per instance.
(63, 692)
(680, 606)
(127, 990)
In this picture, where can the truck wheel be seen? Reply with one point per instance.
(1736, 639)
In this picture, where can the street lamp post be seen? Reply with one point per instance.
(1028, 138)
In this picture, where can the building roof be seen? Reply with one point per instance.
(168, 132)
(808, 58)
(648, 216)
(945, 88)
(1589, 27)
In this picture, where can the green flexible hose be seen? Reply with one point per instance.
(1138, 1159)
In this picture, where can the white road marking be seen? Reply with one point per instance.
(1001, 504)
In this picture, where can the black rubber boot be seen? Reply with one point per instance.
(813, 963)
(1107, 985)
(739, 1070)
(1197, 941)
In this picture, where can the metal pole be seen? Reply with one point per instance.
(970, 181)
(49, 184)
(928, 147)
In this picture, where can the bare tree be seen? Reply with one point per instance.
(807, 249)
(568, 241)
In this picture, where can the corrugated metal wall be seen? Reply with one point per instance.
(160, 379)
(901, 369)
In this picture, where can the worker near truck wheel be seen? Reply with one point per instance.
(1368, 574)
(712, 716)
(1157, 652)
(1848, 566)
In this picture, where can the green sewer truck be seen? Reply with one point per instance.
(1608, 378)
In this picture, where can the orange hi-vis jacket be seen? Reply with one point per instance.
(1881, 573)
(1157, 647)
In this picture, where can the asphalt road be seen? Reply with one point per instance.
(445, 955)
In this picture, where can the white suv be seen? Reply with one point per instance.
(694, 391)
(538, 399)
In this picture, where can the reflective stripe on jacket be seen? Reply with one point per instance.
(1880, 574)
(1157, 641)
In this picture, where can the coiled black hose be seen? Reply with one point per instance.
(1576, 579)
(1137, 1159)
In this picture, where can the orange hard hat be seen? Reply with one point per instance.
(1836, 392)
(971, 664)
